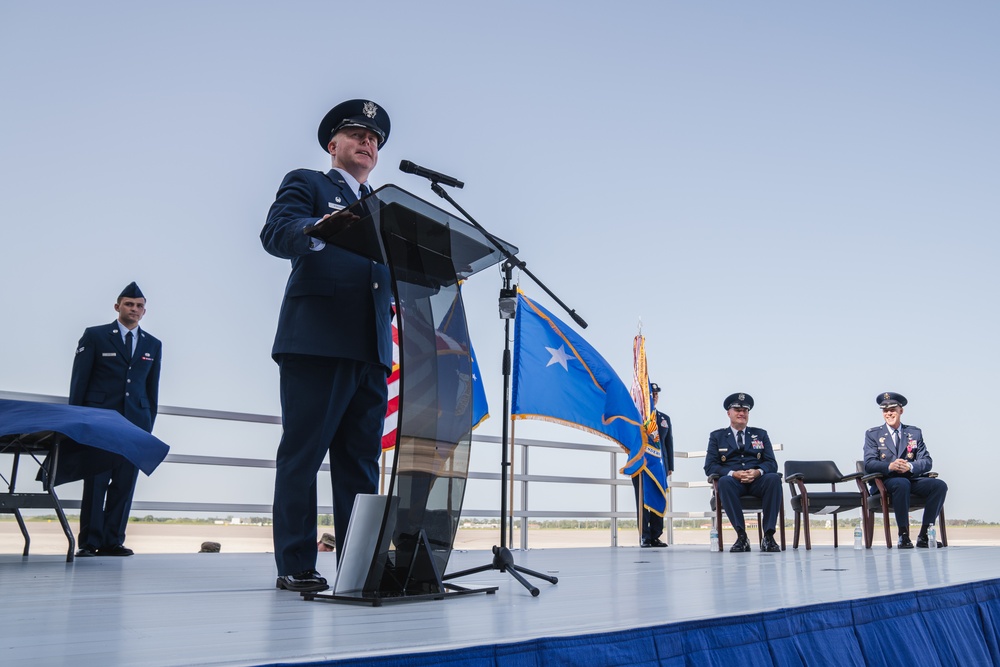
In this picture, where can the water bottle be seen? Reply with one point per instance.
(713, 539)
(932, 537)
(858, 545)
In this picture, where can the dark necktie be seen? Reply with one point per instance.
(895, 439)
(128, 346)
(739, 439)
(363, 192)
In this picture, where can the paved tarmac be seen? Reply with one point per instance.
(168, 538)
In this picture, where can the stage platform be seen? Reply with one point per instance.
(612, 606)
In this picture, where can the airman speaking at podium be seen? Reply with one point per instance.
(333, 344)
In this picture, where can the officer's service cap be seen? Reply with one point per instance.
(654, 388)
(738, 401)
(354, 113)
(890, 399)
(131, 291)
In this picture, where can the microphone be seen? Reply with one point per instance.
(409, 168)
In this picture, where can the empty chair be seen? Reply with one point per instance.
(805, 501)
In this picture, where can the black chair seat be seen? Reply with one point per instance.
(828, 502)
(750, 504)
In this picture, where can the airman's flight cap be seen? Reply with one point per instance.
(131, 291)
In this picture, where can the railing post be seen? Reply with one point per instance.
(614, 500)
(524, 498)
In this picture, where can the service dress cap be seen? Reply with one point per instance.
(738, 401)
(354, 113)
(654, 388)
(132, 291)
(890, 399)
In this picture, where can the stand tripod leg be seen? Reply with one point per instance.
(464, 573)
(503, 560)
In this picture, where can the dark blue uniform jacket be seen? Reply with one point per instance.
(336, 303)
(723, 456)
(880, 451)
(103, 378)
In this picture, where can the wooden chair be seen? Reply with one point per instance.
(750, 505)
(800, 474)
(877, 499)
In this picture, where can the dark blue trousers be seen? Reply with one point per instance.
(652, 524)
(767, 487)
(931, 490)
(105, 504)
(327, 405)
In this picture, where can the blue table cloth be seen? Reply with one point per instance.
(94, 437)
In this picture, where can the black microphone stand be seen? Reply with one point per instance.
(503, 559)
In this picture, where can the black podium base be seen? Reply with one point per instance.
(379, 599)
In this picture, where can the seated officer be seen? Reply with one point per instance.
(898, 452)
(743, 459)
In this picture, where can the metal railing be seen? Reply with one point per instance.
(522, 478)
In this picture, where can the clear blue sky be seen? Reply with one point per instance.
(799, 200)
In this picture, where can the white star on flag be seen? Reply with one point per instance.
(558, 357)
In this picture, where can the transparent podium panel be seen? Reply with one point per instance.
(428, 251)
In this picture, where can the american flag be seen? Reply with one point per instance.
(480, 409)
(391, 412)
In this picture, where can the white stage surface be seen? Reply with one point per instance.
(223, 609)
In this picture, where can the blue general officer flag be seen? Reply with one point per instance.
(480, 409)
(559, 377)
(454, 316)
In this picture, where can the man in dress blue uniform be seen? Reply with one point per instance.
(744, 460)
(898, 452)
(333, 345)
(652, 523)
(117, 367)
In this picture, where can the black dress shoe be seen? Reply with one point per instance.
(85, 552)
(768, 545)
(742, 545)
(924, 543)
(904, 542)
(658, 543)
(117, 550)
(309, 581)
